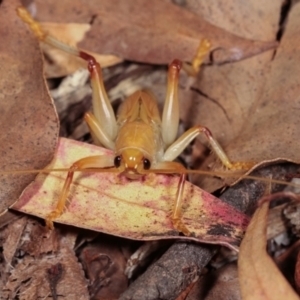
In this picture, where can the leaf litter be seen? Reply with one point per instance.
(225, 138)
(28, 118)
(258, 275)
(172, 38)
(254, 93)
(32, 276)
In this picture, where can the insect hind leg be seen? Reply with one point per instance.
(103, 110)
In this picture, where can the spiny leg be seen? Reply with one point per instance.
(174, 167)
(170, 117)
(101, 105)
(98, 162)
(183, 141)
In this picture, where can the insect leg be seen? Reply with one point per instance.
(102, 108)
(183, 141)
(174, 167)
(170, 117)
(98, 162)
(97, 131)
(202, 51)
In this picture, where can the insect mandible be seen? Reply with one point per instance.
(142, 141)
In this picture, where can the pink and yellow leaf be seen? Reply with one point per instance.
(138, 209)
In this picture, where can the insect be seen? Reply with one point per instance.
(142, 141)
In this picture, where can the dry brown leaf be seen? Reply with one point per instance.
(59, 63)
(258, 275)
(273, 121)
(39, 239)
(105, 264)
(250, 106)
(147, 31)
(14, 232)
(29, 125)
(30, 278)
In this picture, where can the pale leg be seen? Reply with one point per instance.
(202, 51)
(170, 117)
(101, 105)
(183, 141)
(174, 167)
(95, 162)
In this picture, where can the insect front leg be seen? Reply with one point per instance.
(94, 162)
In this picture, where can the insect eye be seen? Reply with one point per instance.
(117, 161)
(147, 164)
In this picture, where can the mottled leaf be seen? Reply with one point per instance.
(29, 125)
(137, 209)
(251, 106)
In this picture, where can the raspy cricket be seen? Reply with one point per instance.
(135, 209)
(142, 142)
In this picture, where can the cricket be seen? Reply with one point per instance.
(143, 142)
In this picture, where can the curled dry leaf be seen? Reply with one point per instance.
(38, 262)
(147, 31)
(29, 125)
(246, 19)
(258, 275)
(133, 209)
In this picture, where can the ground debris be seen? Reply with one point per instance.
(38, 256)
